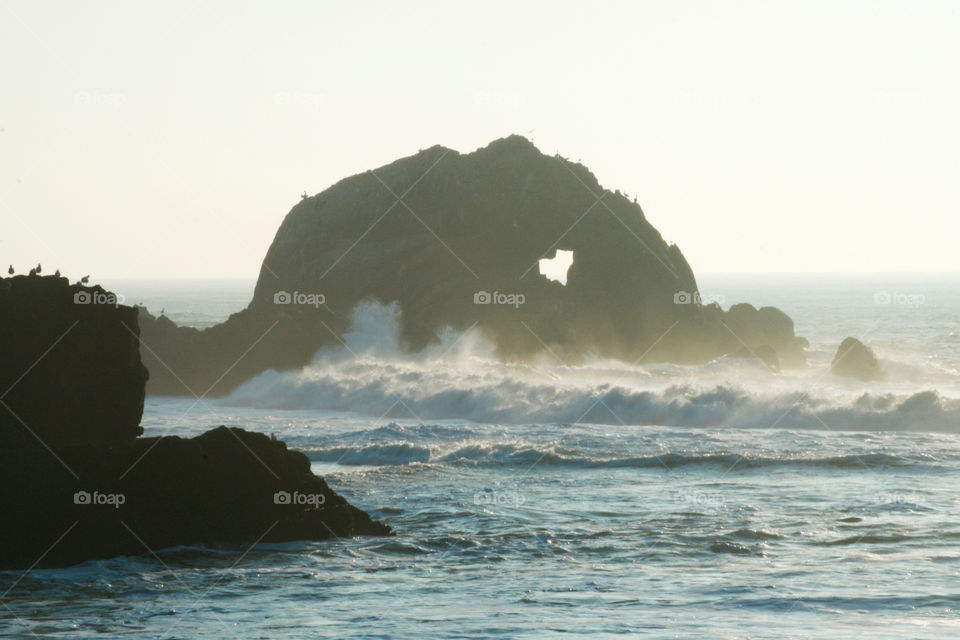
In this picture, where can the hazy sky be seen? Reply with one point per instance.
(170, 139)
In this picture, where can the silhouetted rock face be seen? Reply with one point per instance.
(70, 368)
(455, 239)
(856, 360)
(72, 466)
(225, 486)
(479, 223)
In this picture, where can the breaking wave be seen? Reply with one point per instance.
(525, 454)
(461, 379)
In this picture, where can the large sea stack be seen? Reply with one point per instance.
(455, 240)
(76, 481)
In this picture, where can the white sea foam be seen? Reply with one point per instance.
(460, 378)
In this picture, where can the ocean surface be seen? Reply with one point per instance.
(597, 500)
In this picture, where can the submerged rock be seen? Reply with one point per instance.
(856, 360)
(75, 481)
(455, 240)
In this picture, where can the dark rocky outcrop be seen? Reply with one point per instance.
(856, 360)
(70, 369)
(441, 233)
(75, 481)
(224, 486)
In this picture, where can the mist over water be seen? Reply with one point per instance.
(460, 378)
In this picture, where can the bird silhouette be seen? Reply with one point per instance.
(57, 273)
(10, 270)
(33, 272)
(38, 268)
(85, 279)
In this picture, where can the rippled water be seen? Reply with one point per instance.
(535, 530)
(558, 528)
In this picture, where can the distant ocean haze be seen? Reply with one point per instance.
(200, 303)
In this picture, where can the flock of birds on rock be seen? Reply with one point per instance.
(38, 269)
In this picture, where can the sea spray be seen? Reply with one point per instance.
(460, 378)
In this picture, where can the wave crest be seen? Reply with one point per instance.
(524, 454)
(459, 378)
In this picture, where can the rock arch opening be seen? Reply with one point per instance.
(556, 268)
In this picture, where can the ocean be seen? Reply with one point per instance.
(551, 499)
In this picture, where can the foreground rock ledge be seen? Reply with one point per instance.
(76, 483)
(224, 486)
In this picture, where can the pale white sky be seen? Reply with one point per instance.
(170, 139)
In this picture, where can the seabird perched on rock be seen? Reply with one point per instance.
(10, 270)
(38, 268)
(33, 272)
(84, 279)
(57, 273)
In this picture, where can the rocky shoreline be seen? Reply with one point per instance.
(76, 481)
